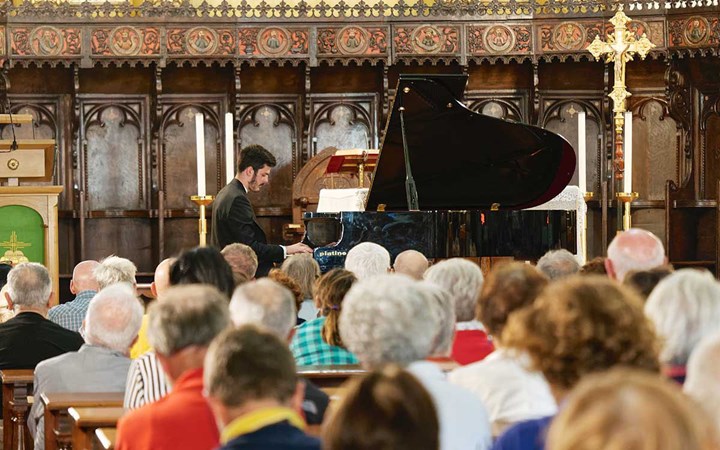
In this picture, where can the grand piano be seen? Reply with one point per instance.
(450, 182)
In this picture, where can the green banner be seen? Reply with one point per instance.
(22, 235)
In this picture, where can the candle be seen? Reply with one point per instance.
(582, 165)
(229, 148)
(627, 184)
(200, 147)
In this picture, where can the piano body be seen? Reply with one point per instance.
(474, 175)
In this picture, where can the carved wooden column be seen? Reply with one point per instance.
(156, 167)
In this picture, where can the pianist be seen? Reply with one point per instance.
(233, 218)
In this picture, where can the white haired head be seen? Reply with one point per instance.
(703, 373)
(443, 303)
(685, 307)
(634, 249)
(29, 286)
(367, 259)
(266, 303)
(115, 269)
(113, 318)
(389, 319)
(557, 264)
(463, 280)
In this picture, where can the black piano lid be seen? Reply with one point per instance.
(464, 160)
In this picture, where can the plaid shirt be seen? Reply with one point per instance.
(308, 346)
(71, 314)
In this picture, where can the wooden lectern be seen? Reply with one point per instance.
(29, 160)
(353, 161)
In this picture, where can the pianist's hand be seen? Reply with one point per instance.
(297, 248)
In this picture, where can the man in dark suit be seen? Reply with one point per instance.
(233, 218)
(29, 338)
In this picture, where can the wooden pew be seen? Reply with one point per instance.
(332, 376)
(105, 439)
(58, 426)
(87, 420)
(17, 385)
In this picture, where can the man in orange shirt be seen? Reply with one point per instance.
(183, 322)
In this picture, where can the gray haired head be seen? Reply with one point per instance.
(29, 285)
(266, 303)
(557, 264)
(389, 319)
(187, 315)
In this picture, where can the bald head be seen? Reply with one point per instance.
(161, 280)
(83, 278)
(634, 249)
(411, 263)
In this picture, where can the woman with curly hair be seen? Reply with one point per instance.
(511, 391)
(318, 341)
(387, 409)
(630, 410)
(576, 327)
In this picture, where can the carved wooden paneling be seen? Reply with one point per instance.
(126, 237)
(178, 152)
(710, 143)
(180, 235)
(655, 152)
(499, 39)
(272, 123)
(505, 104)
(343, 121)
(560, 115)
(694, 31)
(114, 152)
(353, 42)
(46, 125)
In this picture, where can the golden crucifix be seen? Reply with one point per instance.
(620, 48)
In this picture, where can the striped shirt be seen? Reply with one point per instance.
(308, 346)
(146, 382)
(71, 314)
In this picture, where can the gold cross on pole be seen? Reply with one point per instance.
(620, 48)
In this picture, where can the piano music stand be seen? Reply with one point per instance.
(354, 162)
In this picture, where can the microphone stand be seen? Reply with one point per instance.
(410, 188)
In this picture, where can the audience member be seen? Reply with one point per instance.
(115, 269)
(84, 286)
(242, 260)
(510, 391)
(203, 265)
(644, 281)
(101, 365)
(6, 313)
(254, 392)
(703, 373)
(411, 263)
(633, 249)
(5, 269)
(463, 279)
(595, 266)
(147, 382)
(390, 319)
(444, 305)
(318, 341)
(29, 337)
(630, 410)
(388, 409)
(575, 327)
(305, 270)
(267, 304)
(286, 280)
(557, 264)
(161, 281)
(367, 259)
(183, 321)
(685, 307)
